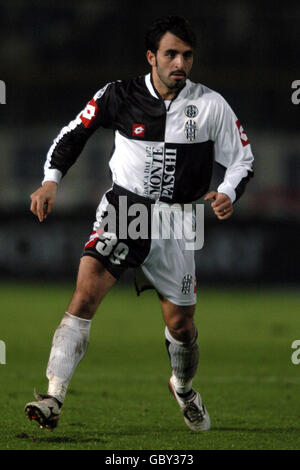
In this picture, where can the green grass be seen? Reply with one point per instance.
(118, 397)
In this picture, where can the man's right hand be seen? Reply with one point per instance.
(42, 200)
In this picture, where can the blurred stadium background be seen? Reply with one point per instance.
(54, 56)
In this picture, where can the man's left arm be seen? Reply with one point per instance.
(232, 150)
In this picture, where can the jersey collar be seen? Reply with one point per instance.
(150, 86)
(154, 93)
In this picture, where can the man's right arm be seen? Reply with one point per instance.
(67, 147)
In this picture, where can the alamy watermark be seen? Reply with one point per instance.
(158, 221)
(2, 352)
(2, 92)
(117, 224)
(296, 354)
(296, 94)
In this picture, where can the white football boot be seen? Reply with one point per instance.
(195, 414)
(45, 411)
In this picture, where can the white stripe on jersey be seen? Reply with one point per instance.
(128, 162)
(51, 174)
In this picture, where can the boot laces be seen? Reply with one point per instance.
(193, 412)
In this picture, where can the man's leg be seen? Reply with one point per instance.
(71, 338)
(183, 350)
(93, 283)
(181, 342)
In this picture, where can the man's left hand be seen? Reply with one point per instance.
(221, 204)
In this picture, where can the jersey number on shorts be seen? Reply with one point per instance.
(106, 246)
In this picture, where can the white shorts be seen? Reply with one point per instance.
(169, 266)
(162, 260)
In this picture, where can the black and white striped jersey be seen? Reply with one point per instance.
(162, 150)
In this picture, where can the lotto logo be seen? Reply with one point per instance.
(89, 113)
(243, 136)
(138, 130)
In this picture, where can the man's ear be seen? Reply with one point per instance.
(151, 58)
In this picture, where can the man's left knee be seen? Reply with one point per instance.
(184, 334)
(179, 320)
(182, 328)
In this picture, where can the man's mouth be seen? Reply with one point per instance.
(178, 74)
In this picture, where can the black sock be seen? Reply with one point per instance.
(186, 396)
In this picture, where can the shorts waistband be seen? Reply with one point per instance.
(137, 198)
(120, 191)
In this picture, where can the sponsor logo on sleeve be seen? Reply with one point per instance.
(89, 113)
(243, 136)
(138, 130)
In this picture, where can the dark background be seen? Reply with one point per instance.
(55, 55)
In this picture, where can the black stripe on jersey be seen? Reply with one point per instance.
(194, 165)
(240, 189)
(138, 106)
(68, 148)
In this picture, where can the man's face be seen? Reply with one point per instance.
(172, 62)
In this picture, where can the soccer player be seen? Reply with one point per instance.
(168, 132)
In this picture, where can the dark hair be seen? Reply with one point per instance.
(176, 25)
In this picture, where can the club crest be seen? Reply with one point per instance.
(191, 111)
(186, 284)
(190, 130)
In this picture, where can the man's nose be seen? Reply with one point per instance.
(179, 61)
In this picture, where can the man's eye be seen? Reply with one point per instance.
(171, 55)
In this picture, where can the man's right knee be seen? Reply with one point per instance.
(93, 283)
(84, 303)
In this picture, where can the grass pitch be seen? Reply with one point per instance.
(118, 397)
